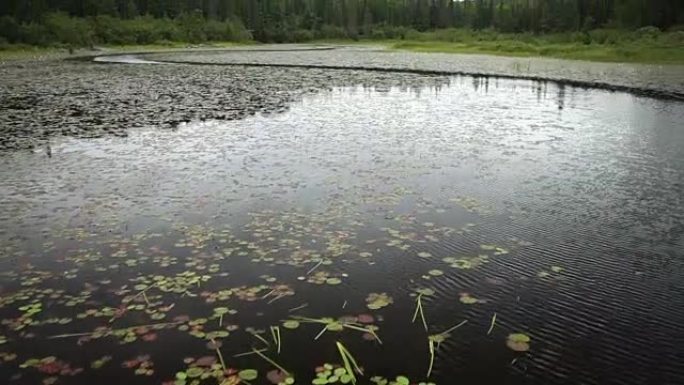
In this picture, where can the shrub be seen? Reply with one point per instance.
(606, 36)
(36, 34)
(302, 35)
(216, 31)
(649, 32)
(9, 29)
(331, 32)
(676, 37)
(238, 31)
(69, 30)
(191, 25)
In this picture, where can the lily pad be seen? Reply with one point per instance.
(194, 372)
(248, 374)
(339, 371)
(333, 281)
(401, 380)
(468, 299)
(276, 376)
(376, 301)
(518, 342)
(291, 324)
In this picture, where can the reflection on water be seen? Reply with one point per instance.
(557, 209)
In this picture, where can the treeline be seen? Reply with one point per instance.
(84, 22)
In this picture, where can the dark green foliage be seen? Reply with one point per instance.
(85, 22)
(9, 29)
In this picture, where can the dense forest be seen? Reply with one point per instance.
(86, 22)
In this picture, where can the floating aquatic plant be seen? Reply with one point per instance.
(248, 374)
(376, 301)
(291, 324)
(331, 324)
(468, 299)
(329, 374)
(518, 342)
(438, 339)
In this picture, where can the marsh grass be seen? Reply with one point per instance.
(604, 45)
(350, 364)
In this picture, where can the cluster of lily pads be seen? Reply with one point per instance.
(188, 290)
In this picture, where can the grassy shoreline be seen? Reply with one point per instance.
(598, 53)
(624, 52)
(22, 52)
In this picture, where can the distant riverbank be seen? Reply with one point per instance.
(646, 45)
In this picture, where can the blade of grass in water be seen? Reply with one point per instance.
(275, 334)
(220, 356)
(321, 333)
(369, 331)
(431, 345)
(350, 364)
(298, 307)
(491, 327)
(262, 339)
(451, 329)
(315, 267)
(248, 353)
(114, 330)
(419, 310)
(270, 361)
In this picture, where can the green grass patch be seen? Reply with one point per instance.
(24, 52)
(646, 45)
(633, 53)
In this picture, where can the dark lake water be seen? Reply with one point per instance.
(551, 219)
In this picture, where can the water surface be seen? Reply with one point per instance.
(556, 209)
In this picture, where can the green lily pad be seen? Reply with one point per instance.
(291, 324)
(401, 380)
(436, 273)
(376, 301)
(340, 371)
(468, 299)
(319, 381)
(335, 327)
(425, 291)
(248, 374)
(333, 281)
(518, 342)
(519, 337)
(194, 372)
